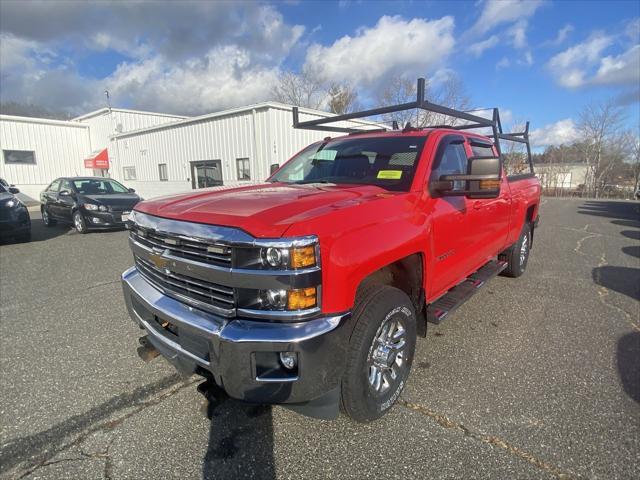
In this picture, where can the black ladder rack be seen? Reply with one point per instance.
(328, 123)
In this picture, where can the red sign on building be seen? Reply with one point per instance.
(98, 160)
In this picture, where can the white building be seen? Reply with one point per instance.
(561, 176)
(154, 153)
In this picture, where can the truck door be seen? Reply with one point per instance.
(455, 232)
(491, 214)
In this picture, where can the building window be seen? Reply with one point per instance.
(162, 171)
(19, 156)
(243, 169)
(129, 173)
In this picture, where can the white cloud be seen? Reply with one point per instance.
(392, 46)
(225, 77)
(562, 35)
(620, 69)
(503, 63)
(497, 12)
(478, 48)
(558, 133)
(584, 64)
(518, 34)
(181, 59)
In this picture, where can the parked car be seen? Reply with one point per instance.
(310, 290)
(87, 203)
(14, 216)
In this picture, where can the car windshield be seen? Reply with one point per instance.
(90, 186)
(388, 162)
(2, 189)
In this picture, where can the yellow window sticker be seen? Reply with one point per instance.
(390, 174)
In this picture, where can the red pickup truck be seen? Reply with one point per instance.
(311, 289)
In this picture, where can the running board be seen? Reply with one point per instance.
(441, 308)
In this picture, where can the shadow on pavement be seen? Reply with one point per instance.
(634, 251)
(42, 233)
(240, 441)
(623, 280)
(628, 357)
(611, 209)
(627, 223)
(632, 234)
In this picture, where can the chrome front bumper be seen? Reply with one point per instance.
(227, 349)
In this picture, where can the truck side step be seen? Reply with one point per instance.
(441, 308)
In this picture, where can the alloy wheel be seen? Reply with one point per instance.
(387, 356)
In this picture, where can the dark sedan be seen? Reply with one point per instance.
(87, 203)
(14, 216)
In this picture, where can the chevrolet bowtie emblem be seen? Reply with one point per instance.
(158, 261)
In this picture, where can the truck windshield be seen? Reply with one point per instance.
(388, 162)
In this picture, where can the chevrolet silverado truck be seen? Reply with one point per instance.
(310, 290)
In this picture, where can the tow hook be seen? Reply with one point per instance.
(146, 351)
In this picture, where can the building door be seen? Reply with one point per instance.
(206, 173)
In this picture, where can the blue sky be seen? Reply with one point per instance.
(537, 60)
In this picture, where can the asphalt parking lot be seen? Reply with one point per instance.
(537, 377)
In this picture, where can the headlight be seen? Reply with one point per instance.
(14, 202)
(94, 208)
(296, 257)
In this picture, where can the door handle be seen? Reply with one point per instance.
(477, 205)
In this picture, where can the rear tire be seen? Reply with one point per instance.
(381, 350)
(517, 256)
(46, 218)
(79, 222)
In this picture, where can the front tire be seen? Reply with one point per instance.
(517, 256)
(381, 350)
(79, 222)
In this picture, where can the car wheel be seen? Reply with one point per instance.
(381, 350)
(517, 255)
(46, 218)
(79, 223)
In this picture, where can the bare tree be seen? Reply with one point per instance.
(342, 98)
(599, 126)
(302, 89)
(399, 90)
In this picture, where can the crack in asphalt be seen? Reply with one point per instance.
(41, 447)
(445, 422)
(603, 292)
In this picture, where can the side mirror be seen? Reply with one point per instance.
(13, 189)
(132, 190)
(482, 181)
(274, 167)
(64, 193)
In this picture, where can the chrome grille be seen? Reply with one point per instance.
(200, 293)
(181, 246)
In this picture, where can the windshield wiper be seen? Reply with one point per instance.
(303, 182)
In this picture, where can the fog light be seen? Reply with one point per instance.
(275, 298)
(289, 360)
(96, 220)
(303, 298)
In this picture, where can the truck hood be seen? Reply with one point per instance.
(265, 210)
